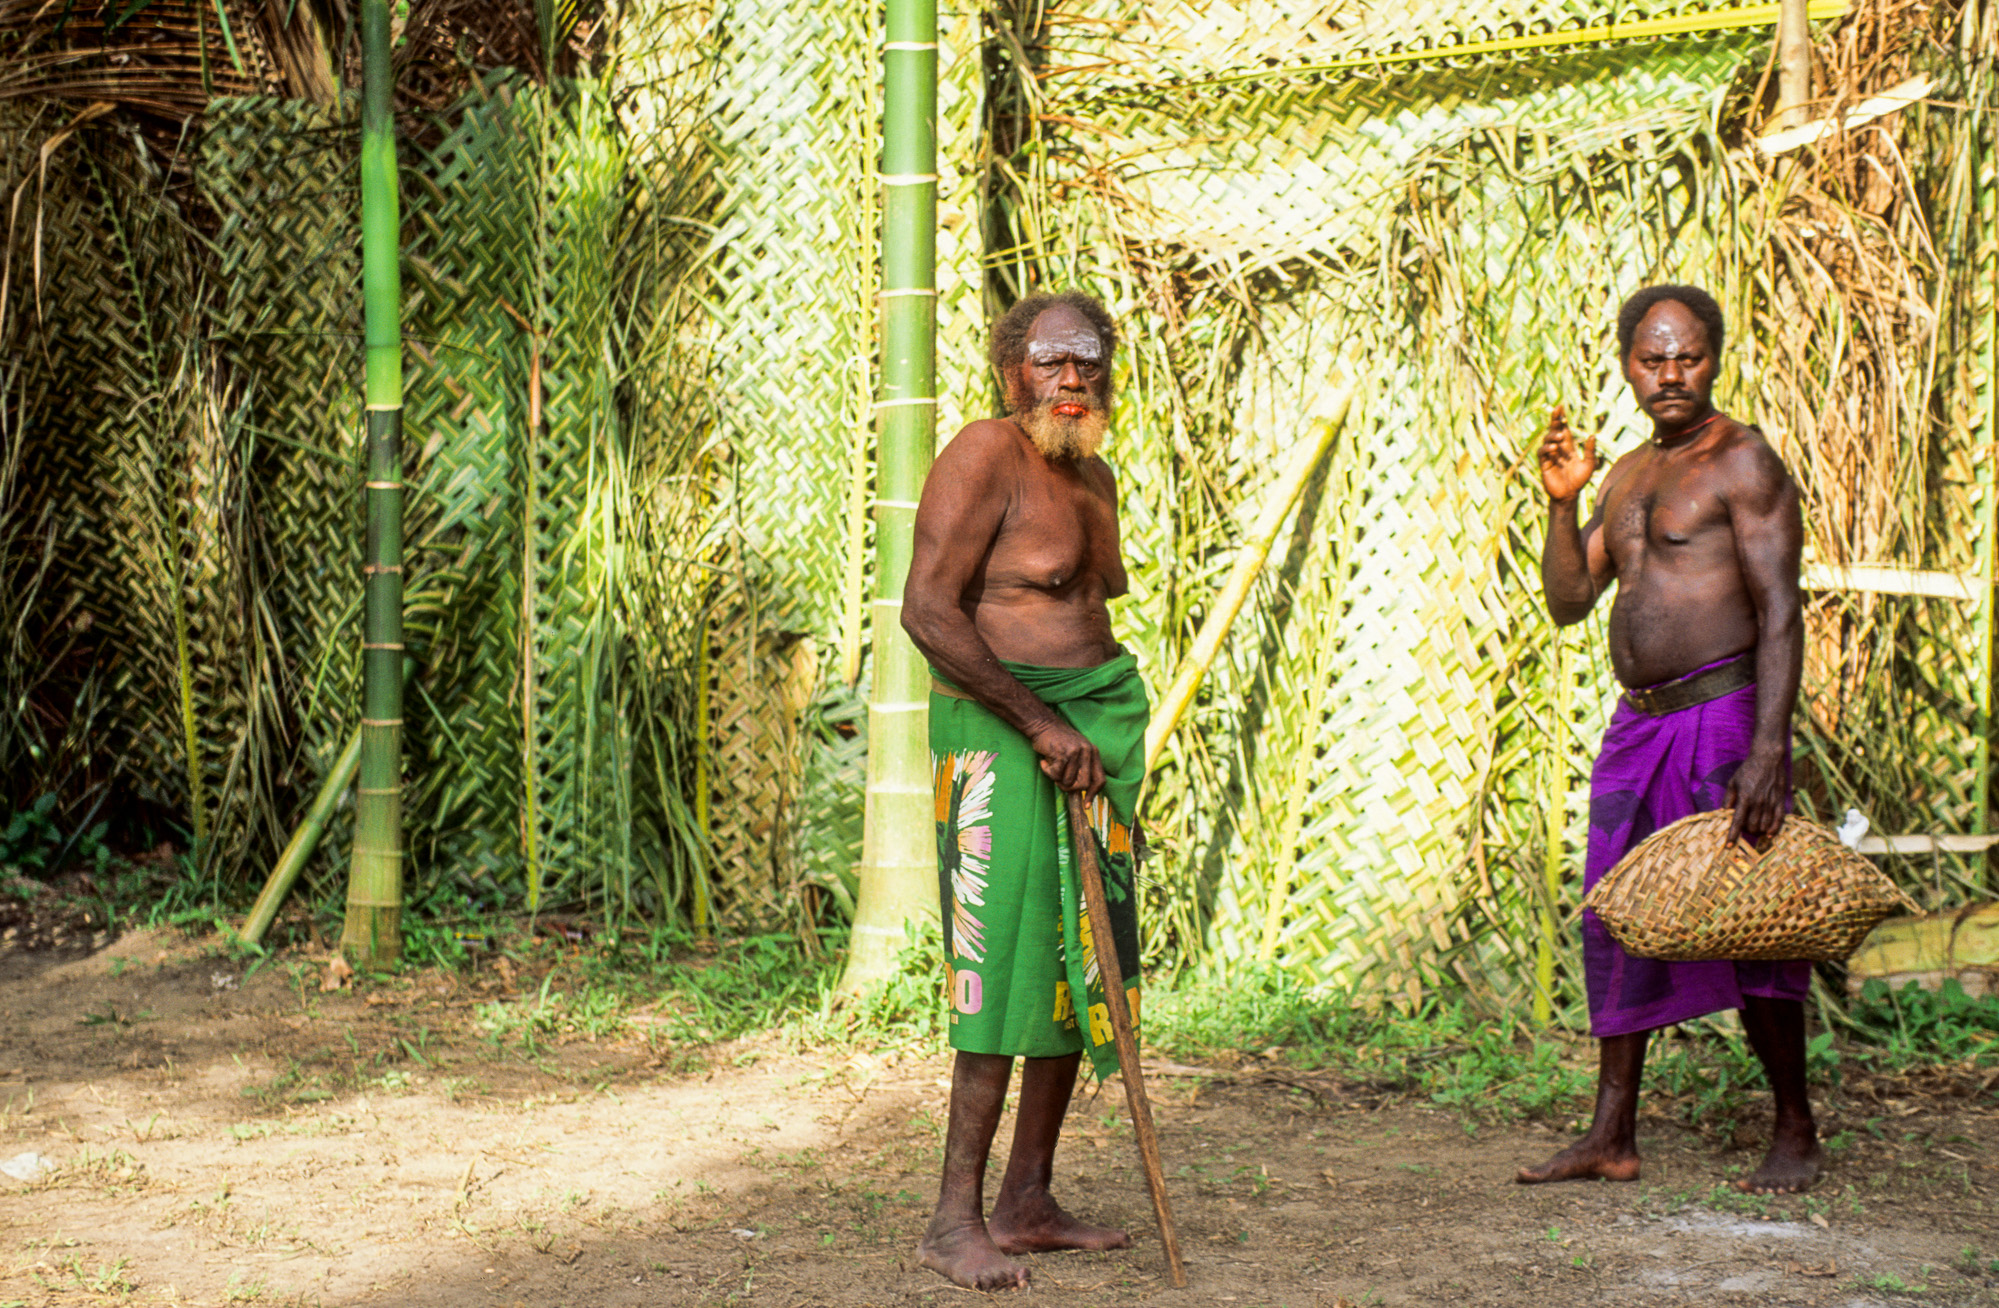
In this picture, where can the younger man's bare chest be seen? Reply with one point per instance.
(1668, 507)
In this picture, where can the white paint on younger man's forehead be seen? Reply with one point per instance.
(1062, 331)
(1670, 328)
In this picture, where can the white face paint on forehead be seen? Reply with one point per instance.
(1670, 329)
(1063, 332)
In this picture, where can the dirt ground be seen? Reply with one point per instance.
(221, 1140)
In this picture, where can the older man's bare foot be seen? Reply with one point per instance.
(1039, 1225)
(967, 1256)
(1585, 1160)
(1790, 1167)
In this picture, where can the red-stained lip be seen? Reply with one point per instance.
(1071, 410)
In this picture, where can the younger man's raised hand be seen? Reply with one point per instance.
(1565, 469)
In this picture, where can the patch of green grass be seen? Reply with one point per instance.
(1444, 1049)
(1913, 1027)
(682, 993)
(1450, 1050)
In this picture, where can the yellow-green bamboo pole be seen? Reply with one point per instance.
(304, 840)
(373, 930)
(899, 845)
(1985, 371)
(1249, 561)
(1556, 814)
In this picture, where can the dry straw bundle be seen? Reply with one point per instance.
(1688, 893)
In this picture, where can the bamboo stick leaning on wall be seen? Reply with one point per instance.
(898, 851)
(1229, 600)
(305, 839)
(1794, 64)
(373, 930)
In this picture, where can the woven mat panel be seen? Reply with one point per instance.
(1888, 727)
(138, 443)
(832, 796)
(672, 566)
(794, 307)
(167, 56)
(473, 226)
(1133, 47)
(1203, 171)
(584, 805)
(515, 215)
(762, 684)
(286, 320)
(1357, 783)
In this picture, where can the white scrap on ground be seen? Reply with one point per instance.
(30, 1166)
(1853, 828)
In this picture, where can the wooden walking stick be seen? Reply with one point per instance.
(1105, 945)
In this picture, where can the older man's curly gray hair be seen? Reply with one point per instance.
(1009, 345)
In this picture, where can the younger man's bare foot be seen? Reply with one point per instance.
(1585, 1160)
(1790, 1167)
(1039, 1225)
(967, 1256)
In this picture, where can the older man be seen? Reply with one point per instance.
(1016, 559)
(1700, 529)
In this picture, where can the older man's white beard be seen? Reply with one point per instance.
(1064, 438)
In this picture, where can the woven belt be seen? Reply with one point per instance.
(1672, 696)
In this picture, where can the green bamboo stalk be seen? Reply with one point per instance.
(898, 855)
(375, 882)
(197, 798)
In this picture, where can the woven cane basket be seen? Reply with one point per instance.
(1681, 895)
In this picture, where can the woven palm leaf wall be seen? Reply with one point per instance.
(1368, 789)
(641, 320)
(143, 448)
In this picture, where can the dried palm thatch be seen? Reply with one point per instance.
(162, 57)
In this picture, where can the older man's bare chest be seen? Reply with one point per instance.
(1060, 534)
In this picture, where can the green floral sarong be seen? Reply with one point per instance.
(1016, 931)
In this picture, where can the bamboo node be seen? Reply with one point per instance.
(381, 644)
(381, 722)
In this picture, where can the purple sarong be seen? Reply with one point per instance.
(1652, 772)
